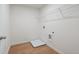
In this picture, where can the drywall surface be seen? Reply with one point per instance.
(24, 24)
(66, 29)
(4, 28)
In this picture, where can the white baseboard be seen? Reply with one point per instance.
(19, 43)
(58, 51)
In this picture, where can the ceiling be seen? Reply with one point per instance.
(35, 5)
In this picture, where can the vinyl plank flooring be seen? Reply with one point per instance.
(27, 48)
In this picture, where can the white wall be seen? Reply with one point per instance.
(65, 25)
(4, 28)
(24, 24)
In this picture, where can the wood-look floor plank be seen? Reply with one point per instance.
(27, 48)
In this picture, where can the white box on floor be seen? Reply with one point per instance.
(36, 43)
